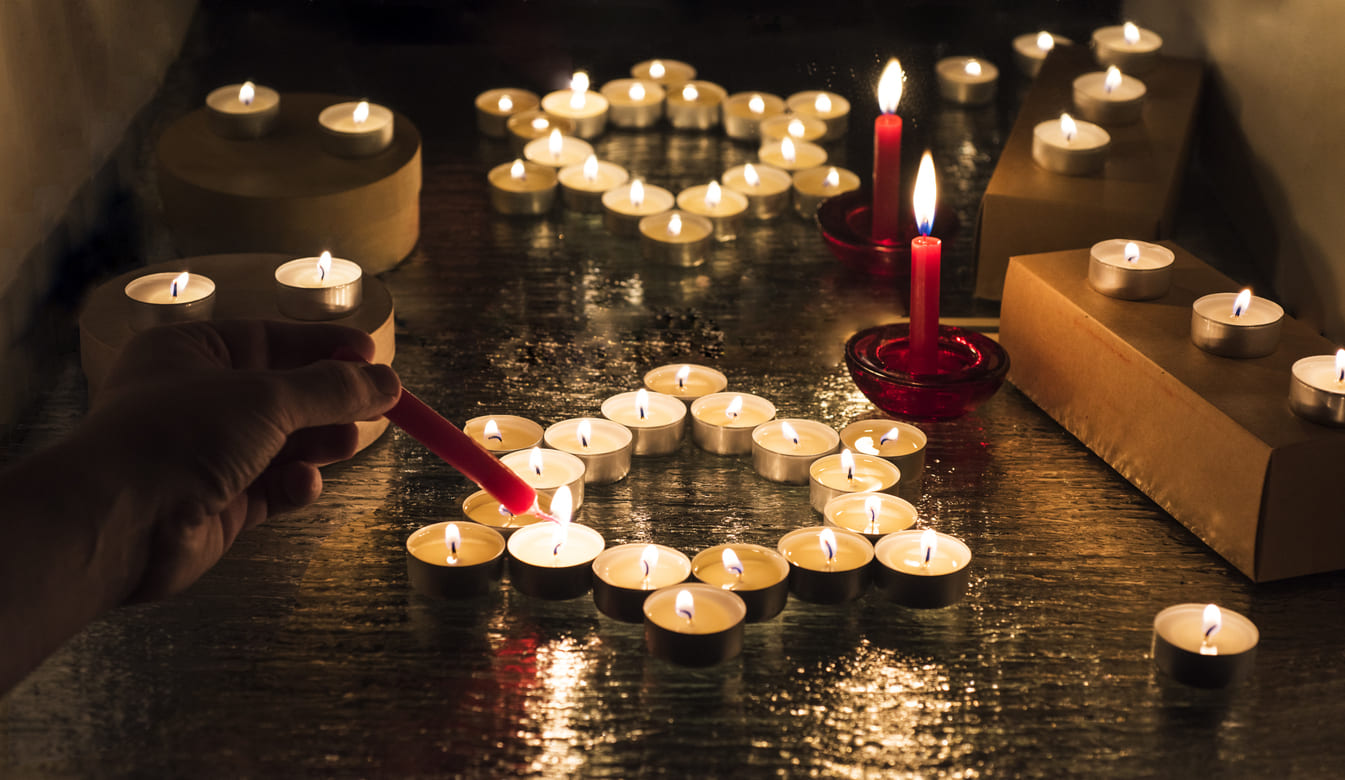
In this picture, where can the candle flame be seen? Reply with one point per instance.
(787, 150)
(926, 194)
(361, 113)
(826, 539)
(891, 435)
(637, 193)
(591, 169)
(675, 225)
(246, 93)
(1242, 302)
(1132, 252)
(735, 406)
(1112, 80)
(452, 540)
(555, 144)
(690, 93)
(973, 67)
(637, 91)
(713, 195)
(732, 562)
(642, 403)
(179, 284)
(1045, 41)
(578, 89)
(562, 506)
(787, 431)
(848, 464)
(1210, 622)
(889, 87)
(535, 461)
(756, 104)
(656, 69)
(585, 433)
(751, 176)
(1131, 32)
(686, 605)
(823, 104)
(506, 103)
(649, 559)
(1068, 127)
(324, 265)
(492, 431)
(865, 445)
(518, 170)
(682, 375)
(929, 544)
(1340, 365)
(796, 128)
(540, 123)
(873, 507)
(832, 179)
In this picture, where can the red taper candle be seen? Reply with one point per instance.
(886, 213)
(926, 252)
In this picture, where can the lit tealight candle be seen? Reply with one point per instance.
(319, 288)
(745, 111)
(724, 208)
(1130, 270)
(922, 569)
(503, 433)
(834, 475)
(874, 515)
(547, 470)
(722, 423)
(495, 106)
(634, 103)
(676, 238)
(625, 206)
(793, 126)
(765, 187)
(814, 185)
(758, 574)
(586, 109)
(1317, 388)
(1128, 46)
(1110, 98)
(788, 154)
(1070, 147)
(1030, 50)
(169, 297)
(694, 624)
(783, 450)
(665, 73)
(604, 446)
(454, 560)
(826, 565)
(695, 105)
(557, 150)
(900, 443)
(481, 507)
(527, 126)
(554, 560)
(686, 381)
(356, 129)
(242, 111)
(522, 187)
(625, 575)
(832, 109)
(967, 81)
(1203, 645)
(582, 186)
(1236, 325)
(656, 420)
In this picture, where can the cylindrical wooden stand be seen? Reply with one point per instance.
(244, 290)
(284, 193)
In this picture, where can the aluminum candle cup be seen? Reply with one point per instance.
(766, 188)
(722, 423)
(783, 450)
(759, 575)
(548, 470)
(557, 151)
(231, 112)
(1316, 389)
(904, 576)
(605, 447)
(676, 238)
(522, 187)
(1181, 650)
(821, 578)
(634, 103)
(1079, 153)
(791, 155)
(483, 508)
(665, 73)
(495, 106)
(695, 105)
(157, 299)
(356, 129)
(693, 624)
(319, 288)
(625, 206)
(814, 185)
(967, 81)
(463, 561)
(526, 126)
(793, 126)
(509, 433)
(835, 475)
(1253, 333)
(657, 421)
(873, 515)
(586, 110)
(582, 186)
(899, 442)
(686, 381)
(538, 568)
(1122, 104)
(1029, 52)
(745, 111)
(829, 107)
(1130, 48)
(624, 576)
(723, 207)
(1130, 270)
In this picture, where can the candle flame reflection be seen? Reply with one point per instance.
(591, 169)
(540, 123)
(873, 507)
(179, 284)
(683, 374)
(756, 104)
(826, 539)
(1045, 41)
(929, 544)
(637, 193)
(751, 176)
(832, 179)
(848, 464)
(246, 93)
(713, 195)
(452, 540)
(787, 431)
(675, 225)
(1112, 80)
(562, 506)
(648, 559)
(506, 103)
(1340, 365)
(1242, 302)
(324, 265)
(518, 171)
(973, 68)
(555, 144)
(865, 445)
(686, 605)
(926, 194)
(642, 403)
(732, 562)
(1068, 127)
(889, 87)
(1131, 32)
(823, 104)
(637, 91)
(735, 406)
(361, 112)
(1132, 252)
(585, 433)
(535, 461)
(492, 431)
(578, 89)
(1211, 620)
(656, 69)
(787, 151)
(690, 93)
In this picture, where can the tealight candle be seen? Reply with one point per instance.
(166, 297)
(783, 450)
(759, 575)
(1317, 388)
(829, 107)
(1236, 325)
(790, 155)
(676, 238)
(834, 475)
(656, 420)
(745, 111)
(625, 575)
(557, 151)
(527, 126)
(242, 111)
(1030, 50)
(967, 81)
(319, 288)
(814, 185)
(1070, 147)
(353, 129)
(585, 108)
(1111, 98)
(1130, 270)
(605, 447)
(695, 105)
(765, 187)
(665, 73)
(874, 515)
(624, 206)
(794, 126)
(900, 443)
(495, 106)
(503, 433)
(826, 565)
(481, 507)
(1203, 645)
(522, 187)
(454, 560)
(922, 569)
(724, 208)
(686, 381)
(582, 186)
(554, 560)
(633, 103)
(547, 471)
(694, 625)
(1129, 47)
(722, 423)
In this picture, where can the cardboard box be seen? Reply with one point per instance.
(1210, 439)
(1027, 209)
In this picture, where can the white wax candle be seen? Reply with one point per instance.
(711, 610)
(1127, 46)
(495, 106)
(642, 201)
(791, 155)
(634, 102)
(829, 107)
(481, 507)
(761, 567)
(629, 566)
(910, 552)
(1130, 270)
(967, 80)
(170, 289)
(596, 177)
(502, 433)
(1222, 308)
(1128, 254)
(794, 126)
(537, 545)
(545, 469)
(356, 129)
(1070, 146)
(1323, 372)
(766, 188)
(557, 151)
(314, 273)
(1110, 98)
(588, 436)
(475, 544)
(242, 111)
(695, 105)
(854, 473)
(528, 125)
(318, 288)
(668, 73)
(585, 108)
(657, 410)
(687, 381)
(1184, 626)
(733, 410)
(745, 111)
(698, 200)
(522, 187)
(797, 438)
(885, 438)
(814, 185)
(805, 548)
(1030, 50)
(870, 514)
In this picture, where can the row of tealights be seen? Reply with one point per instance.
(249, 111)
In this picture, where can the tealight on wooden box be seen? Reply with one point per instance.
(1028, 209)
(1210, 439)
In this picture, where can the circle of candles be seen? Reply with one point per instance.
(790, 155)
(1317, 388)
(898, 442)
(722, 423)
(585, 108)
(695, 105)
(765, 187)
(582, 186)
(526, 126)
(319, 288)
(481, 507)
(625, 575)
(793, 126)
(968, 81)
(686, 381)
(1110, 98)
(242, 111)
(693, 624)
(1203, 645)
(665, 73)
(676, 238)
(1129, 47)
(557, 151)
(604, 446)
(1130, 270)
(922, 569)
(657, 421)
(874, 515)
(1070, 147)
(1236, 325)
(783, 450)
(723, 207)
(454, 560)
(759, 575)
(814, 185)
(554, 560)
(846, 472)
(826, 565)
(745, 111)
(356, 129)
(829, 107)
(522, 187)
(625, 206)
(634, 103)
(547, 471)
(169, 297)
(1030, 50)
(495, 106)
(503, 433)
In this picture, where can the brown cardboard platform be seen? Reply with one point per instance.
(1027, 209)
(283, 193)
(244, 289)
(1210, 439)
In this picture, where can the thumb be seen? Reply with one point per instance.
(331, 392)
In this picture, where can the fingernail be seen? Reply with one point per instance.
(384, 378)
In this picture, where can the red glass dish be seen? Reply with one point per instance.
(846, 222)
(972, 366)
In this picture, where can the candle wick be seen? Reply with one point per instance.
(642, 412)
(929, 553)
(496, 437)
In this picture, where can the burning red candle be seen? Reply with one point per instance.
(925, 256)
(887, 157)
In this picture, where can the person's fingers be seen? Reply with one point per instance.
(332, 392)
(259, 344)
(321, 445)
(286, 486)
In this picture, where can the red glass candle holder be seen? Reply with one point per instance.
(846, 222)
(972, 366)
